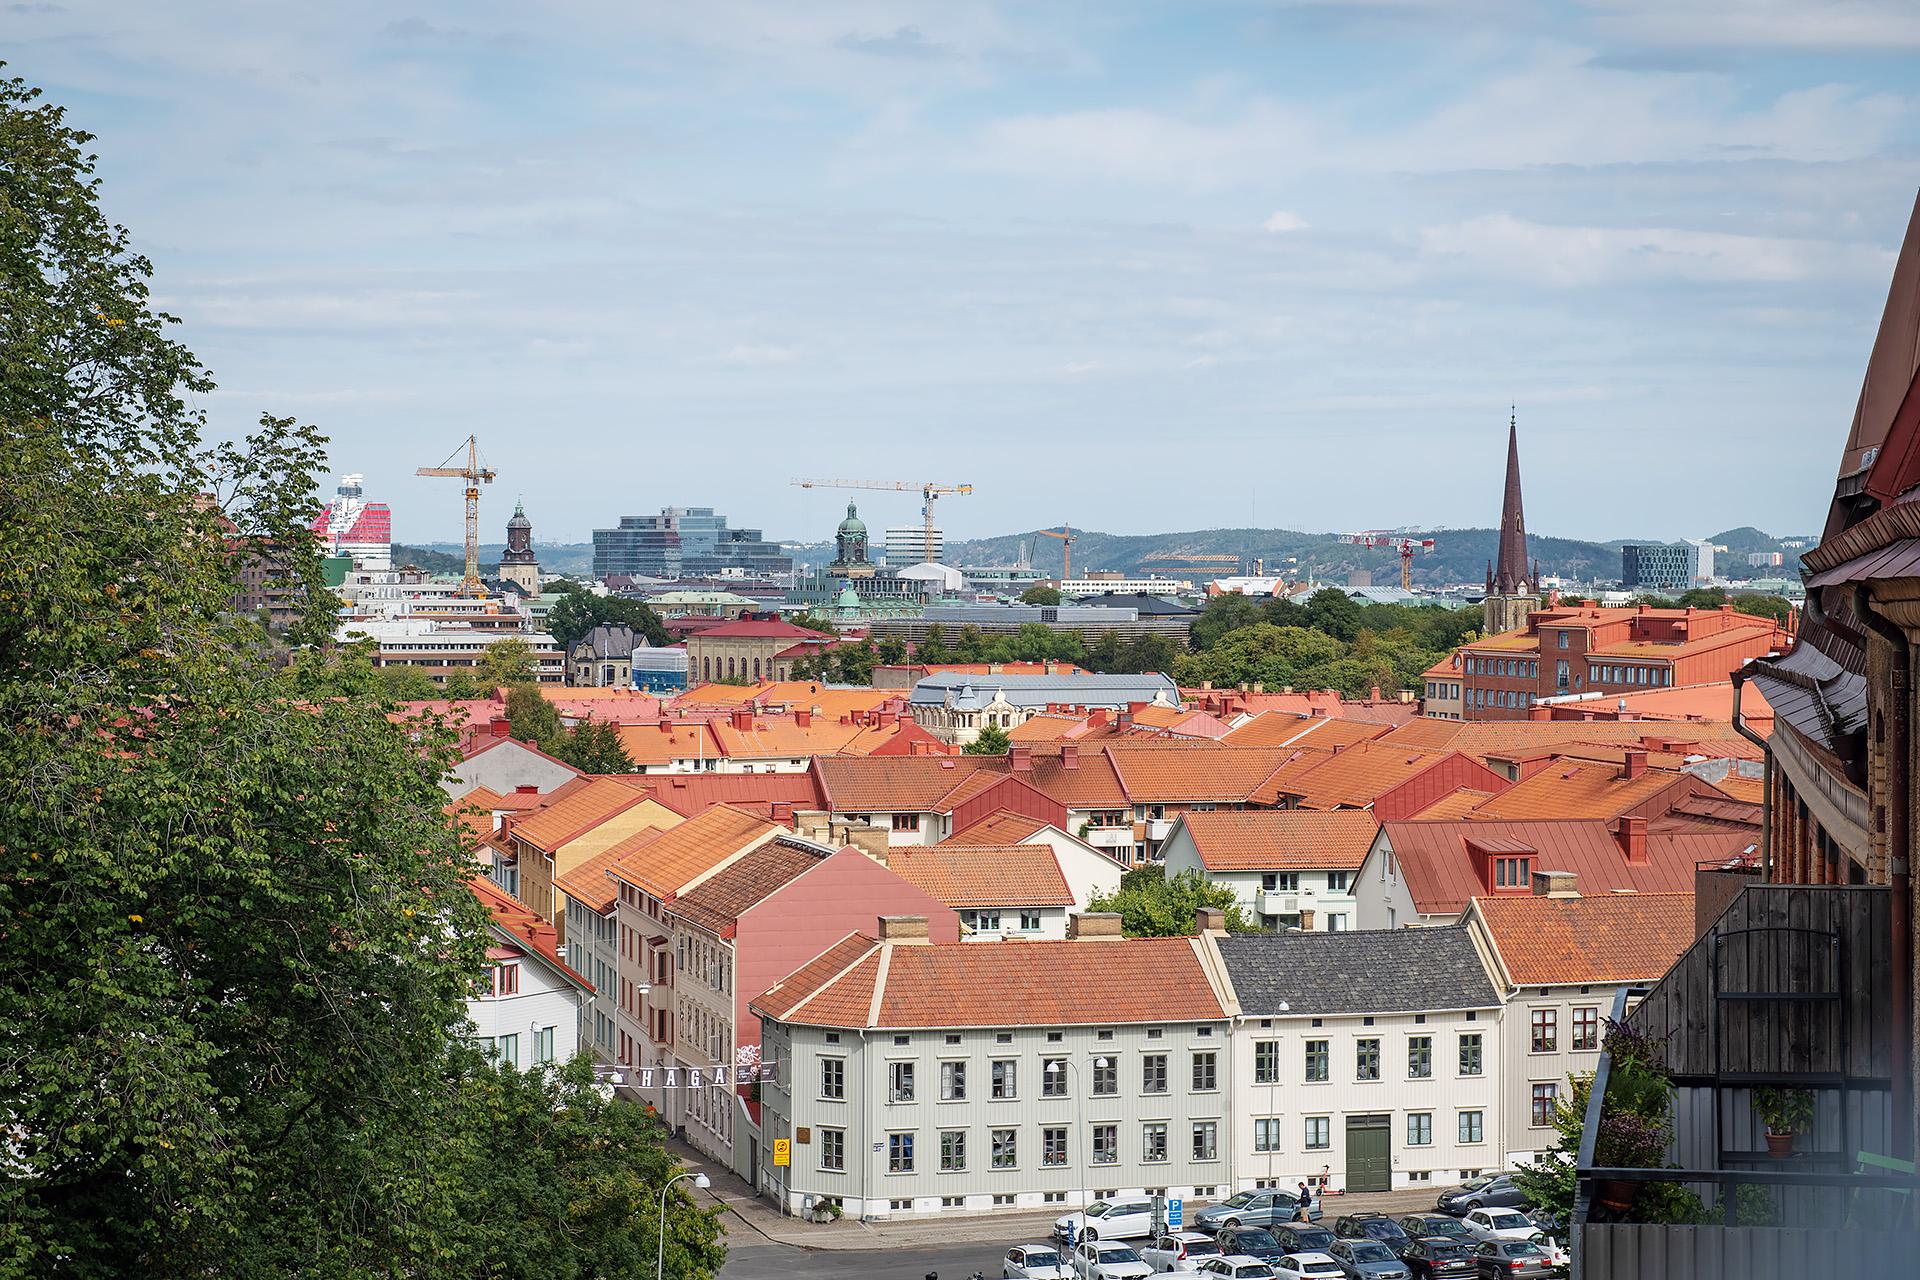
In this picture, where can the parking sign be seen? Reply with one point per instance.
(1173, 1215)
(782, 1151)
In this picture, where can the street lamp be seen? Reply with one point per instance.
(701, 1181)
(1080, 1115)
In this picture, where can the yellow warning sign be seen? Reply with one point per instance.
(782, 1151)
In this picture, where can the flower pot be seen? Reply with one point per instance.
(1779, 1144)
(1616, 1193)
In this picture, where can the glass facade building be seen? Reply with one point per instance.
(685, 542)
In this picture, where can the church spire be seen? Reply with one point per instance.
(1510, 574)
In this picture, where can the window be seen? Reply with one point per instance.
(1419, 1057)
(1544, 1096)
(1029, 920)
(1153, 1073)
(899, 1153)
(833, 1078)
(833, 1149)
(1053, 1077)
(953, 1081)
(1281, 881)
(1366, 1060)
(906, 822)
(1419, 1129)
(1471, 1060)
(1266, 1062)
(543, 1045)
(1266, 1133)
(1337, 881)
(1512, 873)
(506, 980)
(902, 1082)
(1006, 1078)
(1545, 1026)
(1318, 1062)
(981, 921)
(1006, 1147)
(1153, 1143)
(1106, 1076)
(1106, 1144)
(1053, 1145)
(1564, 635)
(1206, 1075)
(953, 1150)
(507, 1049)
(1586, 1028)
(1319, 1133)
(1206, 1140)
(1472, 1126)
(1560, 672)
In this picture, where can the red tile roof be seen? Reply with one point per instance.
(1455, 804)
(1488, 739)
(1087, 982)
(1281, 839)
(654, 746)
(1011, 875)
(1590, 939)
(1354, 777)
(682, 855)
(1156, 773)
(525, 930)
(1751, 790)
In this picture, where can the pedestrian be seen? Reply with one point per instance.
(1306, 1195)
(1326, 1176)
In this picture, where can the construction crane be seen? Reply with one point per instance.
(927, 490)
(1407, 547)
(475, 475)
(1067, 538)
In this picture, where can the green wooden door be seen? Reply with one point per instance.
(1369, 1160)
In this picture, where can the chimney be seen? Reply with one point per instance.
(1259, 686)
(666, 726)
(803, 716)
(782, 812)
(526, 789)
(499, 727)
(1126, 720)
(1555, 884)
(1022, 756)
(1209, 920)
(1135, 708)
(1636, 763)
(1306, 921)
(1093, 924)
(1069, 755)
(1539, 712)
(1374, 694)
(905, 929)
(1631, 833)
(1051, 667)
(743, 719)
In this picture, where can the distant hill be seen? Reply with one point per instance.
(555, 557)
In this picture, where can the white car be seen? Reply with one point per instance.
(1237, 1267)
(1108, 1260)
(1108, 1220)
(1306, 1266)
(1035, 1262)
(1179, 1251)
(1498, 1224)
(1556, 1253)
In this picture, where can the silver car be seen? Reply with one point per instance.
(1035, 1262)
(1179, 1251)
(1366, 1260)
(1103, 1260)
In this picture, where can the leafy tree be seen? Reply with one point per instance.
(893, 651)
(531, 718)
(507, 663)
(1333, 611)
(593, 746)
(992, 741)
(854, 662)
(579, 611)
(814, 622)
(1152, 905)
(1040, 593)
(933, 646)
(1228, 612)
(410, 684)
(971, 646)
(236, 942)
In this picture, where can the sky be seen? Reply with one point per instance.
(1131, 266)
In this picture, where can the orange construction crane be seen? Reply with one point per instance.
(1067, 538)
(475, 475)
(1407, 547)
(927, 489)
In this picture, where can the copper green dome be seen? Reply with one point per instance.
(853, 526)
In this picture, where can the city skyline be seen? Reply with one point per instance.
(894, 239)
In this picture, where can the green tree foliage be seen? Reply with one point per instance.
(593, 746)
(506, 663)
(1333, 611)
(1152, 905)
(531, 718)
(992, 741)
(893, 651)
(579, 611)
(1755, 604)
(1040, 593)
(814, 622)
(1333, 642)
(236, 942)
(933, 646)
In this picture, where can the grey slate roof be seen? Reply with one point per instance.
(1358, 971)
(971, 692)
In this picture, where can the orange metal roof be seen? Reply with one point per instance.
(651, 746)
(1281, 839)
(1572, 789)
(1590, 939)
(1094, 981)
(568, 818)
(589, 882)
(1000, 827)
(1751, 790)
(681, 855)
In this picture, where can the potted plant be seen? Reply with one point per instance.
(1785, 1112)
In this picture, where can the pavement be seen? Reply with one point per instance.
(762, 1241)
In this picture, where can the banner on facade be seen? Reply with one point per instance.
(720, 1076)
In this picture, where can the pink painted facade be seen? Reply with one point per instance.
(1013, 795)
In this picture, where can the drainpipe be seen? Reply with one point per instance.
(1766, 778)
(1896, 806)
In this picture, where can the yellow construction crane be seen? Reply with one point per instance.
(927, 490)
(1067, 538)
(475, 475)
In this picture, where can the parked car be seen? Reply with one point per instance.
(1367, 1260)
(1268, 1208)
(1513, 1260)
(1556, 1252)
(1255, 1242)
(1301, 1238)
(1308, 1265)
(1495, 1189)
(1498, 1224)
(1371, 1226)
(1108, 1260)
(1179, 1251)
(1035, 1262)
(1430, 1226)
(1440, 1258)
(1108, 1220)
(1237, 1267)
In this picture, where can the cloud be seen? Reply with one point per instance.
(1873, 25)
(905, 42)
(1281, 221)
(760, 354)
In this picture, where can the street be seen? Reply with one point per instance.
(764, 1260)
